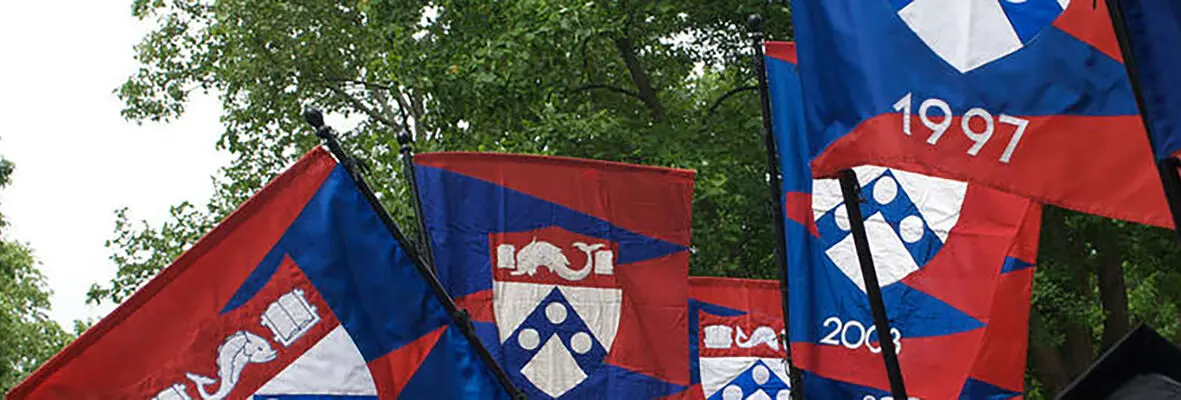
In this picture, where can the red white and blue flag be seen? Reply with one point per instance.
(575, 271)
(1030, 97)
(953, 262)
(735, 351)
(301, 293)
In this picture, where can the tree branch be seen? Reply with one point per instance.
(403, 98)
(609, 88)
(639, 77)
(360, 105)
(723, 98)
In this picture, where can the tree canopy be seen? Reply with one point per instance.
(27, 336)
(656, 83)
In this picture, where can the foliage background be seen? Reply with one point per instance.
(621, 80)
(28, 337)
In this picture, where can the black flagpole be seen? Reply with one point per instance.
(461, 317)
(851, 189)
(424, 237)
(1167, 168)
(755, 23)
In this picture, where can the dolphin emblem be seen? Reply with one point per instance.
(761, 335)
(238, 350)
(537, 254)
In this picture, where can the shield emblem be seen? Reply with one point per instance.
(741, 357)
(908, 217)
(969, 34)
(557, 305)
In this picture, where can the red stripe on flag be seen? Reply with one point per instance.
(479, 305)
(158, 321)
(785, 51)
(651, 316)
(965, 271)
(618, 194)
(924, 369)
(1001, 361)
(752, 295)
(1089, 22)
(1131, 190)
(400, 365)
(798, 208)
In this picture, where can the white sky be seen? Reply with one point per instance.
(76, 159)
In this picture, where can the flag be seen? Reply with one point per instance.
(735, 326)
(952, 260)
(575, 271)
(1030, 97)
(1153, 29)
(301, 293)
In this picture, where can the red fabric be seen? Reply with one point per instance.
(1132, 192)
(644, 342)
(1002, 357)
(120, 356)
(401, 364)
(753, 295)
(1081, 21)
(785, 51)
(649, 201)
(612, 185)
(925, 373)
(798, 208)
(972, 254)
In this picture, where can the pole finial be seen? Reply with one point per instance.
(755, 23)
(314, 117)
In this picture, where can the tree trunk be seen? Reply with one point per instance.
(1113, 294)
(1079, 347)
(1047, 361)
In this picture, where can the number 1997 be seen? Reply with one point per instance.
(938, 128)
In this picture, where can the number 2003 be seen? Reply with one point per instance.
(853, 335)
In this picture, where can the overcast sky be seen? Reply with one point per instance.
(76, 159)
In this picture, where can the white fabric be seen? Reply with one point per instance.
(333, 366)
(716, 372)
(513, 302)
(890, 257)
(938, 200)
(966, 33)
(553, 370)
(599, 308)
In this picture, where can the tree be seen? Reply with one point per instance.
(622, 80)
(1097, 278)
(27, 336)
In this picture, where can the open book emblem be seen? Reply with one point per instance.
(290, 317)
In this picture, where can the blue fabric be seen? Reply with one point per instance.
(1014, 264)
(453, 371)
(856, 80)
(980, 390)
(695, 308)
(1154, 35)
(374, 289)
(312, 397)
(818, 288)
(499, 209)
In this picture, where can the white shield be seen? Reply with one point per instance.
(556, 307)
(904, 214)
(969, 34)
